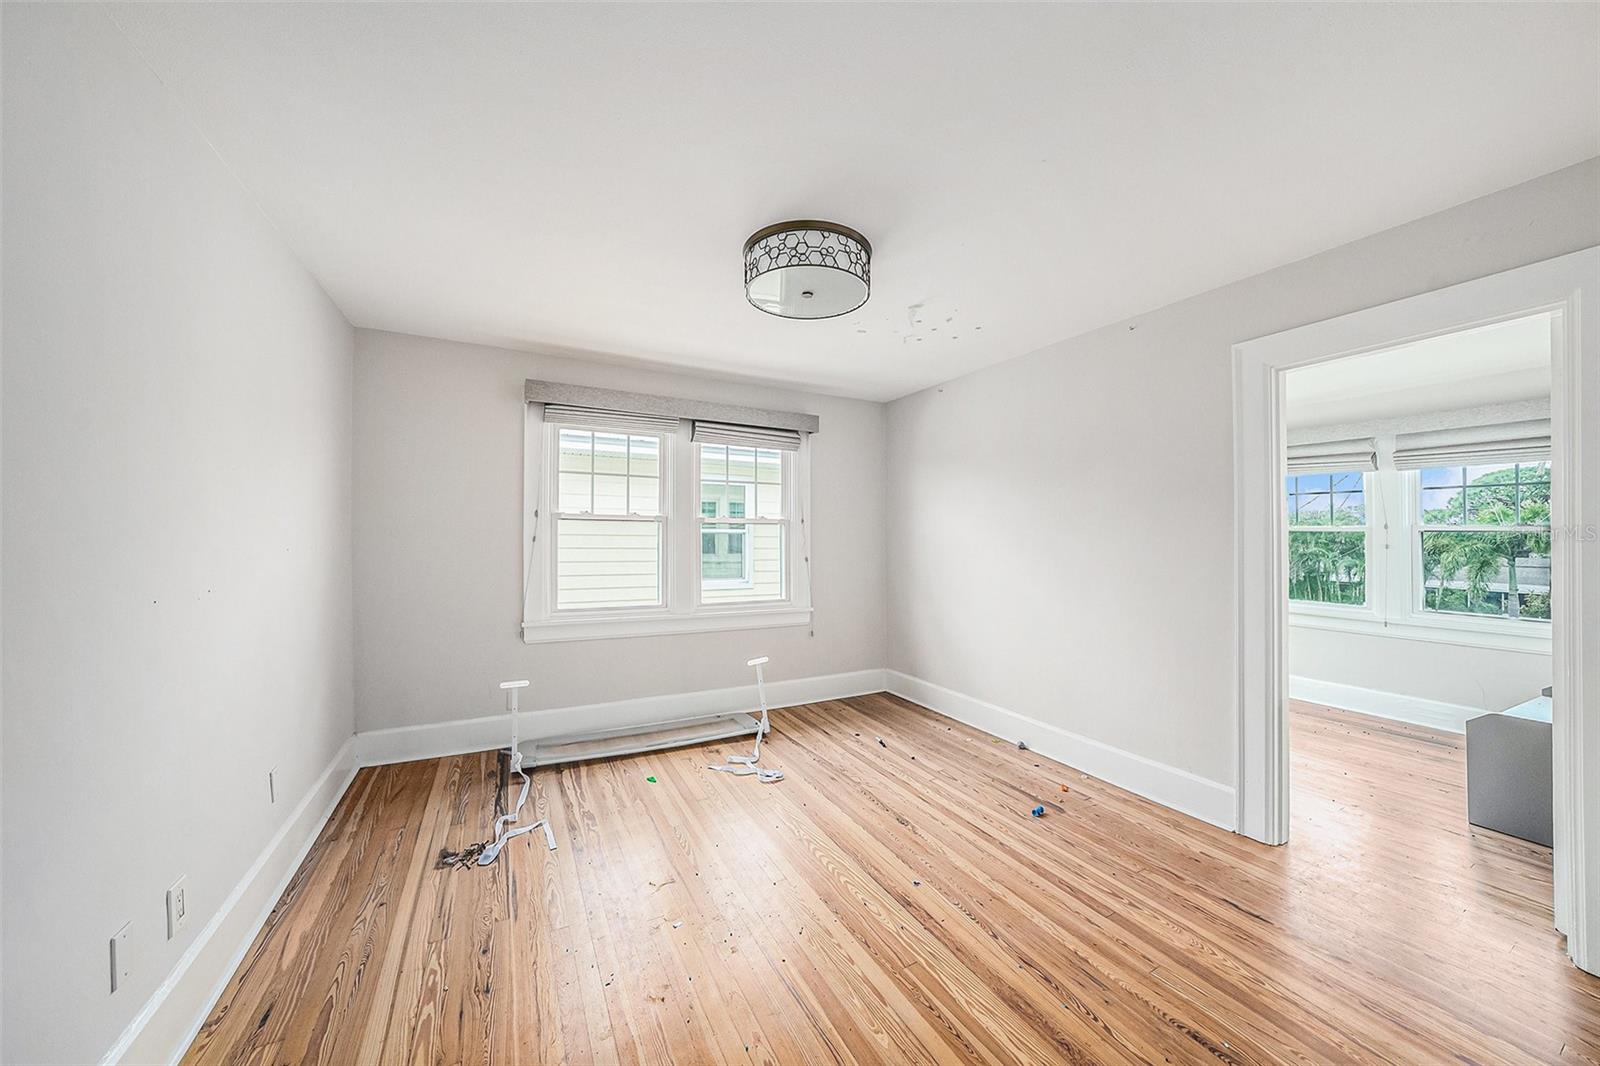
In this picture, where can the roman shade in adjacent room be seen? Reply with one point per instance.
(1326, 457)
(1509, 442)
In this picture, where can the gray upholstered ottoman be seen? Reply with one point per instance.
(1508, 771)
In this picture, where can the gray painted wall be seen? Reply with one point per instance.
(1130, 430)
(177, 436)
(438, 516)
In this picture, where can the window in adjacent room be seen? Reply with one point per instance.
(1485, 540)
(609, 520)
(744, 524)
(1327, 537)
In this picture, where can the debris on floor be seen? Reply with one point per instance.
(1064, 788)
(459, 860)
(881, 744)
(678, 924)
(1038, 812)
(1022, 745)
(651, 779)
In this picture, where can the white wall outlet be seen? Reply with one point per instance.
(121, 959)
(177, 906)
(272, 785)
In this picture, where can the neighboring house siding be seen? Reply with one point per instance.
(766, 542)
(608, 564)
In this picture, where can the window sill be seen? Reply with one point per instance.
(1530, 637)
(713, 621)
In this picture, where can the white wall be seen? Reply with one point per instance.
(438, 521)
(1483, 679)
(177, 613)
(1104, 605)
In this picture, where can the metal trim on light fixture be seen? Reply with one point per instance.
(808, 223)
(818, 246)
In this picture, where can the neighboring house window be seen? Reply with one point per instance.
(1327, 537)
(744, 524)
(1485, 540)
(610, 520)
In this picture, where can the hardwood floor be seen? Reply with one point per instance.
(896, 903)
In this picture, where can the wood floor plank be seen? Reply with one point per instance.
(894, 902)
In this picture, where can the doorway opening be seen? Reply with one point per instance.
(1418, 647)
(1388, 560)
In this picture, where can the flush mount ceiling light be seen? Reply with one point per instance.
(807, 269)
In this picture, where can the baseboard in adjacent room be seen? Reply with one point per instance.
(1199, 797)
(403, 744)
(1449, 717)
(170, 1018)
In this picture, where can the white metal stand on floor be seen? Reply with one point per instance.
(678, 733)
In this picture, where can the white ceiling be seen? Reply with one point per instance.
(583, 176)
(1503, 363)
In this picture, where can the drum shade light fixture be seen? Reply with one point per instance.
(807, 269)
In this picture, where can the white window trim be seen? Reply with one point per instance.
(1394, 584)
(681, 611)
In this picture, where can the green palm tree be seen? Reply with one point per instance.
(1477, 556)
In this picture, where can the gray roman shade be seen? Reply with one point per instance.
(616, 409)
(595, 418)
(1326, 457)
(1509, 442)
(787, 440)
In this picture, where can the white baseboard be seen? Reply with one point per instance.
(170, 1018)
(1450, 717)
(379, 746)
(1196, 796)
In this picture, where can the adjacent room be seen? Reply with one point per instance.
(1417, 500)
(786, 533)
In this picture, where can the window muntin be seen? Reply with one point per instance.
(609, 520)
(1484, 540)
(608, 473)
(743, 561)
(1327, 537)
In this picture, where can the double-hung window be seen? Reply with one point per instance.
(1447, 539)
(639, 524)
(1327, 515)
(1484, 540)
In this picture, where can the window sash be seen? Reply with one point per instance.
(627, 475)
(787, 497)
(1462, 484)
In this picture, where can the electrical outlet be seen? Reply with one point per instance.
(177, 906)
(121, 959)
(272, 785)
